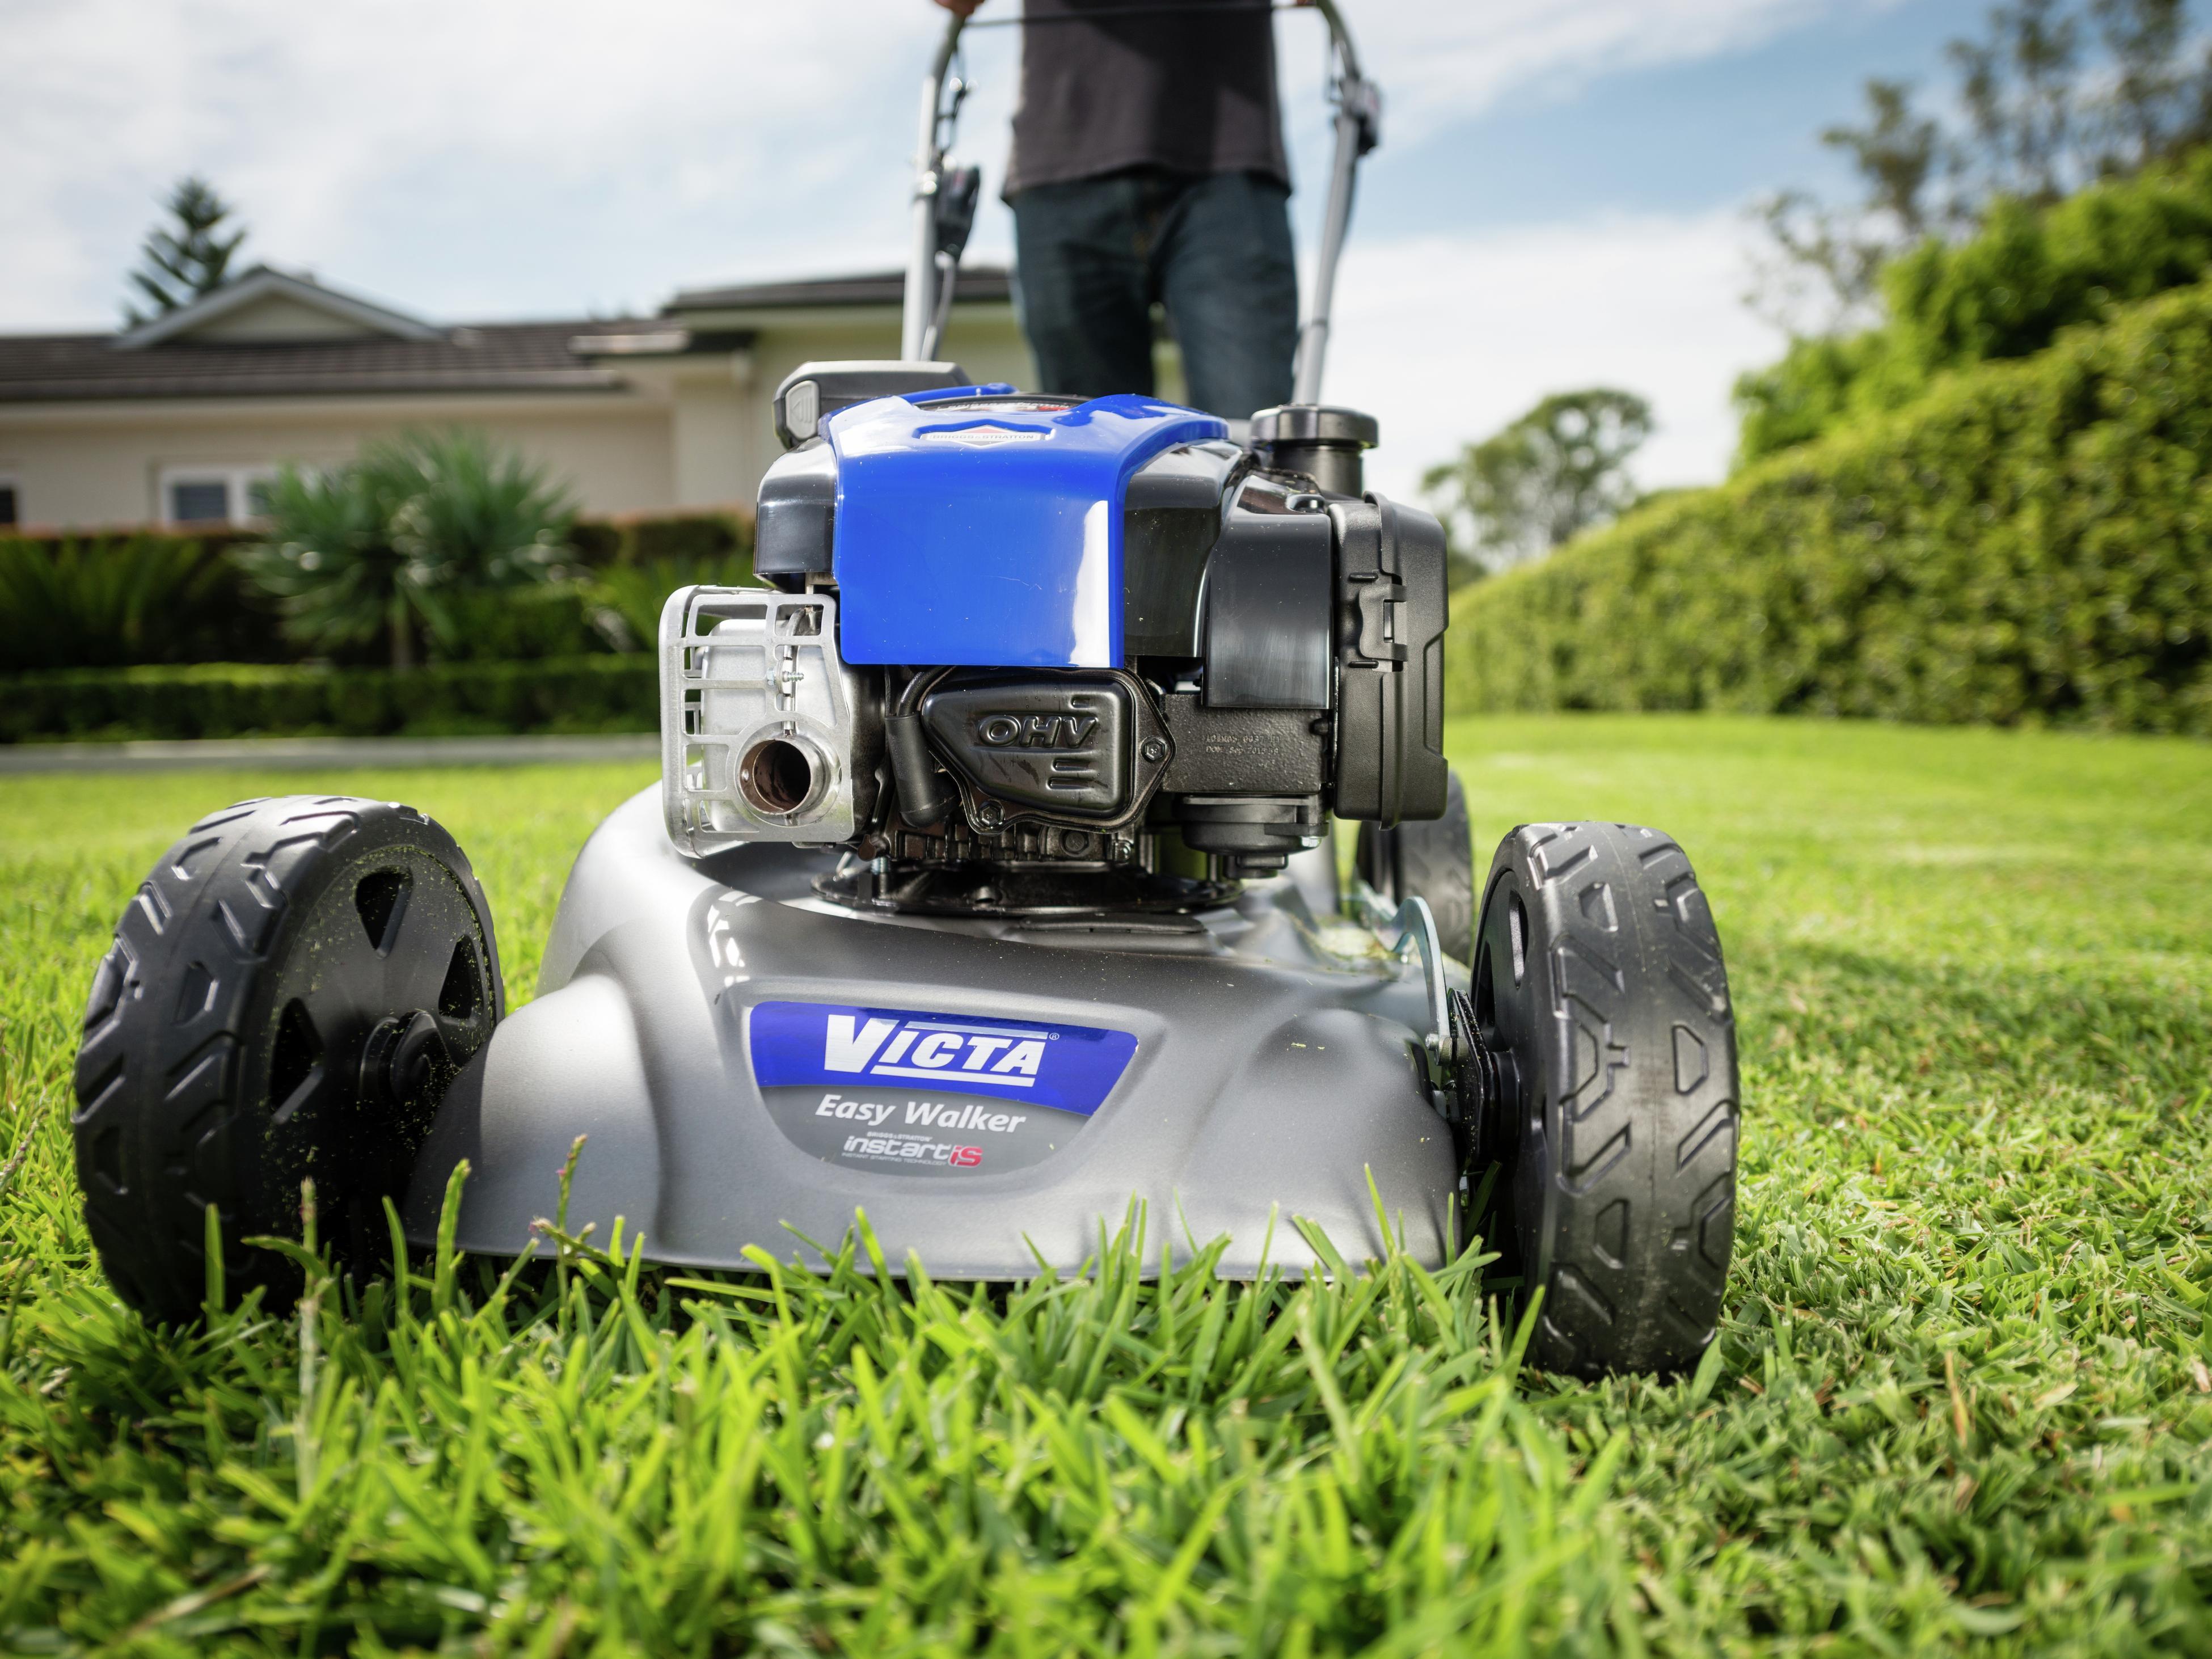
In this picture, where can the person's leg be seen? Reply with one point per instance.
(1080, 272)
(1228, 277)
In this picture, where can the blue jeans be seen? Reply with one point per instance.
(1092, 255)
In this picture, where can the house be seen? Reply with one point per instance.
(180, 419)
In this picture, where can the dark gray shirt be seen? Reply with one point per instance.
(1191, 89)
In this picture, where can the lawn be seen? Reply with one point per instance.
(1960, 1400)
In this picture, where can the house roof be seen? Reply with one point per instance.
(487, 357)
(978, 284)
(266, 304)
(275, 334)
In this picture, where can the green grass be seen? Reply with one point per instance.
(1959, 1402)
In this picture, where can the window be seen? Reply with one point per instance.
(199, 501)
(215, 494)
(11, 511)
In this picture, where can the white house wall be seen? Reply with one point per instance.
(725, 432)
(99, 466)
(689, 432)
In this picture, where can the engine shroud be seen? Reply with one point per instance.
(1073, 656)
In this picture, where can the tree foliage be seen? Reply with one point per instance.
(187, 257)
(1548, 476)
(2058, 93)
(387, 543)
(1827, 263)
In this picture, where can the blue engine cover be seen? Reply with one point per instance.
(990, 537)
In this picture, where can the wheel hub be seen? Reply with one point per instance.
(405, 1059)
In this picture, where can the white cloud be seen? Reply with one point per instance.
(491, 157)
(1440, 60)
(487, 155)
(1445, 338)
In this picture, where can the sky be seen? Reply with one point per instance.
(1558, 202)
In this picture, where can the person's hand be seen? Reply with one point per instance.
(965, 8)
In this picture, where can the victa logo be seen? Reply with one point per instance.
(880, 1053)
(934, 1050)
(1035, 731)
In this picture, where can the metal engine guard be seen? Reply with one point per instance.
(1279, 1061)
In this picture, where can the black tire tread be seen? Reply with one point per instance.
(160, 1131)
(1645, 1128)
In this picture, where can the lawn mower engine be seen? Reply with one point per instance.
(1040, 657)
(987, 893)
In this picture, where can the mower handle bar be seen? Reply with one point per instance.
(1358, 128)
(920, 321)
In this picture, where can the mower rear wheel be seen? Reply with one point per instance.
(1431, 858)
(1602, 1003)
(288, 996)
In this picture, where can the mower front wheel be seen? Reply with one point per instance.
(287, 995)
(1606, 1061)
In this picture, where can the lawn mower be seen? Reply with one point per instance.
(990, 888)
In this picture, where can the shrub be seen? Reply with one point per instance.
(228, 700)
(524, 626)
(61, 604)
(114, 599)
(2030, 542)
(1820, 383)
(382, 545)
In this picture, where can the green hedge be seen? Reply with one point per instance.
(230, 700)
(2030, 542)
(2003, 294)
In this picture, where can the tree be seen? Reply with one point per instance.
(2157, 102)
(1556, 471)
(2057, 93)
(2021, 90)
(1830, 260)
(187, 259)
(381, 545)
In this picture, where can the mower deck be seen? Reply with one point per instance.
(1278, 1058)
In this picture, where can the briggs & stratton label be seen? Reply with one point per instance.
(910, 1093)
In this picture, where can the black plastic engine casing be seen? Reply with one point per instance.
(1391, 614)
(1244, 751)
(1269, 593)
(794, 526)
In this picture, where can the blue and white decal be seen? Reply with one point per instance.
(924, 1093)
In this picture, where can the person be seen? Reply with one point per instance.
(1148, 166)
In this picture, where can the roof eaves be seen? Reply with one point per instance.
(298, 386)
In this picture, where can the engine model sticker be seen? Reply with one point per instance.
(929, 1094)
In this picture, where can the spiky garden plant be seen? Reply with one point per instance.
(378, 545)
(101, 601)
